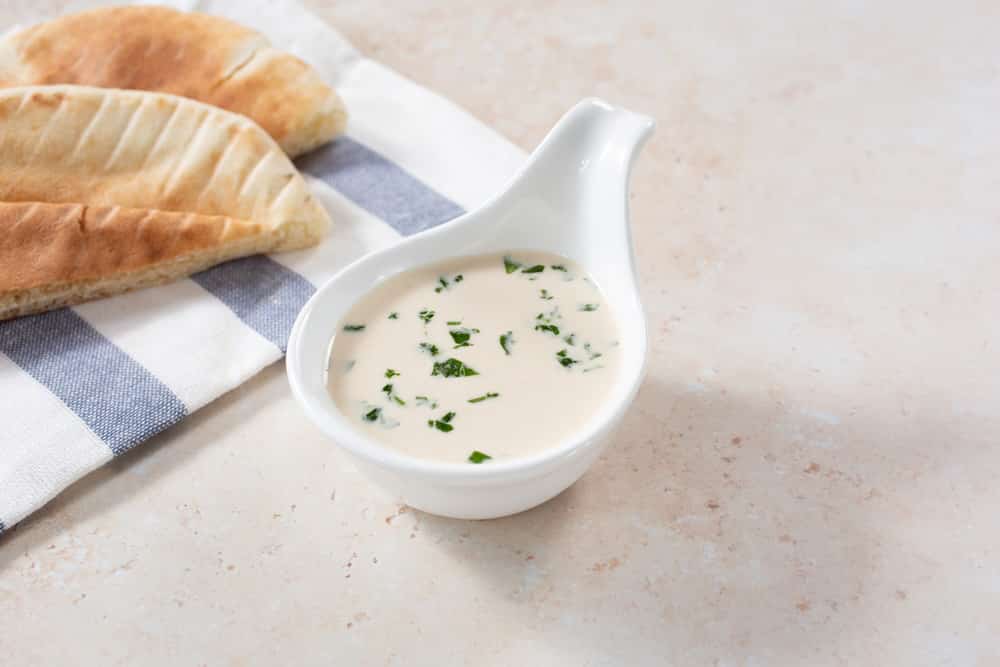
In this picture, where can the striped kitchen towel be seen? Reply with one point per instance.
(80, 386)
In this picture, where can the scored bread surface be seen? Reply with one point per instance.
(194, 55)
(106, 190)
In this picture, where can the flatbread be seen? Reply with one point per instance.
(203, 57)
(102, 191)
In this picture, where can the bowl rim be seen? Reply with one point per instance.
(335, 424)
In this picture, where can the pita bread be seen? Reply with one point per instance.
(102, 191)
(203, 57)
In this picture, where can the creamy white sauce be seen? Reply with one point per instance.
(384, 374)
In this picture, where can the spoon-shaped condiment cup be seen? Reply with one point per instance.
(571, 199)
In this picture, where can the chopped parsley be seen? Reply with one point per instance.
(453, 323)
(506, 341)
(391, 395)
(558, 267)
(429, 348)
(509, 265)
(537, 268)
(393, 315)
(480, 399)
(462, 336)
(354, 327)
(390, 373)
(545, 296)
(588, 307)
(546, 321)
(443, 283)
(372, 415)
(570, 339)
(478, 457)
(423, 400)
(452, 368)
(443, 424)
(426, 315)
(563, 357)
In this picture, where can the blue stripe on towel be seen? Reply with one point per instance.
(125, 404)
(264, 294)
(122, 402)
(380, 187)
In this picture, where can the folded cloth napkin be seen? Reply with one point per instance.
(80, 386)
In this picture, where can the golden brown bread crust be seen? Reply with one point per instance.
(59, 254)
(55, 244)
(193, 55)
(103, 190)
(101, 147)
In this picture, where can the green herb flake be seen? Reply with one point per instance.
(392, 396)
(459, 278)
(537, 268)
(393, 315)
(480, 399)
(390, 373)
(546, 321)
(558, 267)
(453, 323)
(570, 339)
(354, 327)
(564, 359)
(429, 348)
(423, 400)
(509, 265)
(444, 427)
(478, 457)
(452, 368)
(545, 296)
(506, 341)
(590, 351)
(426, 315)
(372, 415)
(588, 307)
(442, 284)
(462, 336)
(443, 424)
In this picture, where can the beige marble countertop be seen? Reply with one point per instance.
(809, 474)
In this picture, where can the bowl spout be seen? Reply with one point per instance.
(594, 143)
(572, 196)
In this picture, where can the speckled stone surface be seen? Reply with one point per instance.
(809, 474)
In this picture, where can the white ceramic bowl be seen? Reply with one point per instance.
(570, 199)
